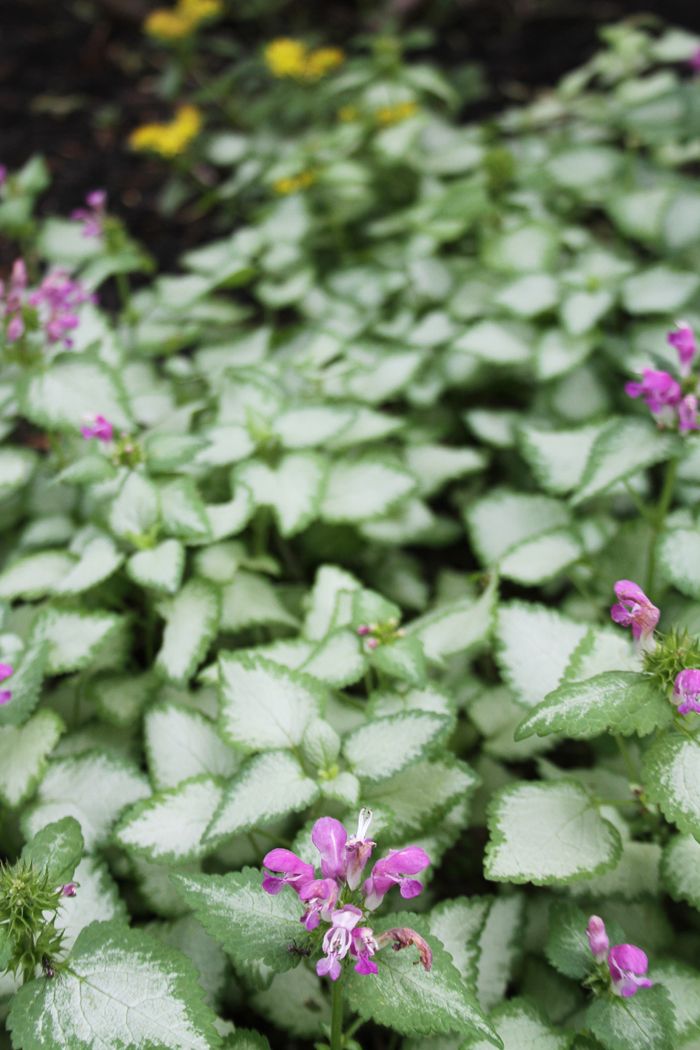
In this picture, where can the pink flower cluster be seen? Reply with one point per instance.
(93, 216)
(627, 965)
(329, 899)
(686, 691)
(55, 301)
(97, 427)
(663, 394)
(636, 611)
(5, 672)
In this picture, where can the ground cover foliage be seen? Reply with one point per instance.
(333, 519)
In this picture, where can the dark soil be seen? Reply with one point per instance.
(76, 76)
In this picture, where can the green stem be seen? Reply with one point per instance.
(646, 513)
(337, 1015)
(626, 758)
(666, 493)
(124, 289)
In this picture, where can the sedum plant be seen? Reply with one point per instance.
(349, 539)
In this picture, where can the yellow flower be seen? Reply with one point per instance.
(168, 139)
(181, 20)
(291, 58)
(323, 61)
(167, 25)
(294, 183)
(286, 58)
(394, 114)
(347, 113)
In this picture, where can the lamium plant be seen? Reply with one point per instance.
(350, 571)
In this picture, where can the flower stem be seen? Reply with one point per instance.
(660, 517)
(626, 758)
(337, 1015)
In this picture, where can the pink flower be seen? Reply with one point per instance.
(56, 299)
(688, 413)
(97, 427)
(684, 342)
(362, 630)
(69, 889)
(293, 871)
(694, 61)
(358, 849)
(322, 897)
(5, 672)
(686, 691)
(597, 938)
(93, 216)
(627, 966)
(338, 941)
(363, 948)
(3, 174)
(660, 392)
(402, 937)
(390, 871)
(636, 610)
(329, 837)
(15, 328)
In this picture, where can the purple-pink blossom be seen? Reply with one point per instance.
(688, 413)
(56, 300)
(637, 611)
(3, 174)
(684, 342)
(394, 869)
(69, 889)
(338, 941)
(628, 966)
(343, 858)
(5, 671)
(292, 871)
(694, 61)
(14, 300)
(686, 691)
(597, 938)
(93, 216)
(97, 427)
(660, 392)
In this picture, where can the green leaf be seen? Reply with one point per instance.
(533, 648)
(504, 519)
(421, 794)
(541, 559)
(338, 660)
(500, 947)
(456, 626)
(73, 387)
(658, 290)
(322, 603)
(166, 452)
(293, 489)
(544, 833)
(267, 787)
(251, 599)
(99, 558)
(672, 778)
(192, 621)
(35, 575)
(683, 986)
(680, 869)
(557, 458)
(168, 828)
(97, 900)
(409, 999)
(181, 744)
(678, 552)
(567, 946)
(26, 685)
(253, 926)
(16, 468)
(498, 344)
(159, 569)
(645, 1021)
(635, 876)
(75, 639)
(227, 519)
(624, 447)
(363, 490)
(434, 465)
(403, 658)
(383, 747)
(57, 850)
(311, 426)
(523, 1025)
(94, 788)
(263, 705)
(529, 296)
(120, 698)
(621, 702)
(295, 1002)
(458, 924)
(23, 755)
(183, 511)
(528, 248)
(136, 510)
(123, 988)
